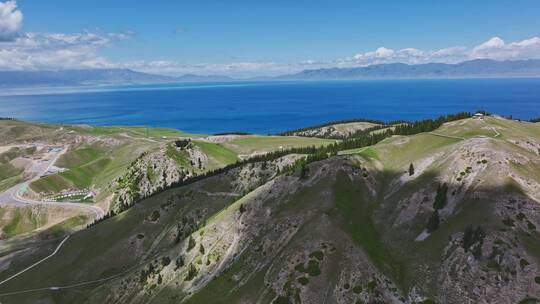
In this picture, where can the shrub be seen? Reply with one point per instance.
(313, 268)
(319, 255)
(201, 249)
(192, 272)
(191, 243)
(303, 280)
(165, 261)
(154, 216)
(179, 262)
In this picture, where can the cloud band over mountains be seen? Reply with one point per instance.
(54, 51)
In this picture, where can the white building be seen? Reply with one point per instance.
(478, 116)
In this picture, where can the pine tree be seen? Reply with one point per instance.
(440, 197)
(303, 170)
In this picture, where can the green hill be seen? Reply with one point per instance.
(352, 228)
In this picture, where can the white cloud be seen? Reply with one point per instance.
(11, 20)
(238, 69)
(494, 48)
(42, 51)
(53, 51)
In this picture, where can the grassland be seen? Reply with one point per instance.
(219, 156)
(261, 144)
(22, 220)
(133, 131)
(362, 207)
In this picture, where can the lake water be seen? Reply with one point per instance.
(270, 107)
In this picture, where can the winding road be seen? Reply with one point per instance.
(12, 196)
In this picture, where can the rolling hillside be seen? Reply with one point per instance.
(459, 225)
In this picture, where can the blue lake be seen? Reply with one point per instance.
(270, 107)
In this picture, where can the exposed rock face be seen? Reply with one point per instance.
(146, 175)
(341, 130)
(341, 230)
(302, 238)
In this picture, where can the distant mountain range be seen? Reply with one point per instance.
(86, 77)
(473, 68)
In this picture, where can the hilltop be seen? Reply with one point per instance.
(356, 227)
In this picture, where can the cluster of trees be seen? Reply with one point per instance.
(182, 143)
(472, 241)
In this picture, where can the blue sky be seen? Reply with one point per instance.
(255, 37)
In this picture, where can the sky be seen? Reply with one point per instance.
(248, 38)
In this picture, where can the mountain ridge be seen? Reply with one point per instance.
(88, 77)
(477, 68)
(465, 69)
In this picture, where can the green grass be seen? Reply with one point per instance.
(219, 155)
(15, 152)
(10, 182)
(261, 144)
(52, 183)
(356, 211)
(79, 157)
(79, 177)
(8, 171)
(400, 151)
(180, 157)
(351, 151)
(133, 131)
(66, 226)
(23, 220)
(97, 166)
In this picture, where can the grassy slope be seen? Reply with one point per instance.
(219, 156)
(94, 165)
(261, 144)
(105, 237)
(132, 131)
(350, 203)
(18, 221)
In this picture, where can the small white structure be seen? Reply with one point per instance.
(478, 116)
